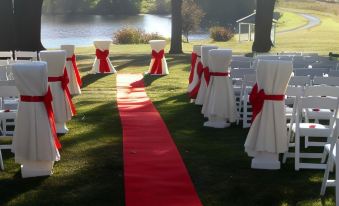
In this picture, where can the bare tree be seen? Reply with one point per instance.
(263, 26)
(176, 39)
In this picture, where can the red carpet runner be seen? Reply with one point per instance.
(154, 172)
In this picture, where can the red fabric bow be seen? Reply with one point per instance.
(219, 74)
(207, 75)
(64, 85)
(257, 100)
(157, 64)
(47, 100)
(103, 64)
(200, 69)
(76, 70)
(193, 62)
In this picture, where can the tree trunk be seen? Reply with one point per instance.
(6, 22)
(176, 38)
(263, 25)
(27, 16)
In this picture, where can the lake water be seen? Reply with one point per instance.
(81, 30)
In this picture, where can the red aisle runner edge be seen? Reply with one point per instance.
(154, 172)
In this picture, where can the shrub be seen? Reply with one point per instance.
(129, 35)
(221, 33)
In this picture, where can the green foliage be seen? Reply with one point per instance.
(192, 16)
(92, 6)
(156, 6)
(221, 33)
(129, 35)
(223, 12)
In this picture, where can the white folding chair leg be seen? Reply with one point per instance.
(1, 162)
(337, 174)
(297, 152)
(325, 180)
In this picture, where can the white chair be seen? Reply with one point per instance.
(3, 62)
(7, 117)
(333, 73)
(62, 103)
(238, 78)
(300, 81)
(302, 128)
(329, 81)
(35, 143)
(203, 83)
(331, 151)
(219, 105)
(316, 72)
(8, 55)
(246, 107)
(26, 55)
(196, 73)
(102, 63)
(72, 70)
(319, 113)
(267, 137)
(240, 64)
(158, 65)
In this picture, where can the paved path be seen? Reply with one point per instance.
(312, 22)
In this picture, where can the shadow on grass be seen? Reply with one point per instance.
(90, 171)
(219, 167)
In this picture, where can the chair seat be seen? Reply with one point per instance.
(323, 114)
(312, 129)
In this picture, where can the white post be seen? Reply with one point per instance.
(239, 31)
(249, 32)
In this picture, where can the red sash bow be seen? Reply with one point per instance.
(103, 64)
(257, 100)
(200, 69)
(76, 70)
(193, 62)
(219, 74)
(157, 64)
(64, 84)
(207, 75)
(47, 100)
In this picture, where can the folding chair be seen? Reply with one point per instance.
(302, 81)
(7, 117)
(333, 158)
(317, 114)
(314, 72)
(302, 129)
(26, 55)
(5, 55)
(237, 76)
(329, 81)
(247, 85)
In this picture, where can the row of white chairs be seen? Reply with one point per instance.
(19, 55)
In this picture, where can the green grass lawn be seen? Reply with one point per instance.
(91, 169)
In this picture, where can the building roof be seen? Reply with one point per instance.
(250, 19)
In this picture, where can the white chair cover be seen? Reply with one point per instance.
(154, 68)
(203, 85)
(195, 79)
(102, 45)
(56, 61)
(220, 99)
(73, 85)
(33, 139)
(268, 131)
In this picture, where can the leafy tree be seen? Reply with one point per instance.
(176, 40)
(192, 15)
